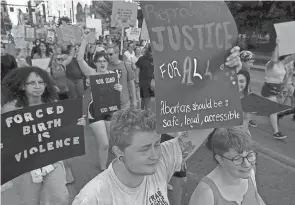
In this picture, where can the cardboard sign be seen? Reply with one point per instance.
(50, 38)
(41, 33)
(30, 33)
(105, 98)
(285, 33)
(94, 23)
(133, 34)
(66, 34)
(144, 32)
(124, 14)
(261, 106)
(190, 42)
(37, 136)
(41, 63)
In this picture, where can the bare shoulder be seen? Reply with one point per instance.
(10, 106)
(203, 194)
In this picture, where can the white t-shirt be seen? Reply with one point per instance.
(107, 189)
(129, 56)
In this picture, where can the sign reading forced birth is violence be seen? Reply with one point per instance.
(105, 98)
(36, 136)
(190, 42)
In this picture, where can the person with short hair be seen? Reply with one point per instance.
(143, 165)
(100, 126)
(126, 79)
(233, 180)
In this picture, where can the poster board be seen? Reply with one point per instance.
(66, 34)
(30, 33)
(194, 90)
(37, 136)
(261, 106)
(41, 63)
(285, 33)
(124, 14)
(144, 32)
(50, 37)
(94, 23)
(18, 33)
(105, 98)
(133, 34)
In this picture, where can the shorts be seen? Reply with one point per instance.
(146, 92)
(181, 173)
(91, 114)
(270, 89)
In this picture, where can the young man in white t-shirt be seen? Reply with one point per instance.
(140, 173)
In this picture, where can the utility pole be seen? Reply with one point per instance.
(73, 12)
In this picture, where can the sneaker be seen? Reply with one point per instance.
(279, 136)
(252, 123)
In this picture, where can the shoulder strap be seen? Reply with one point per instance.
(213, 187)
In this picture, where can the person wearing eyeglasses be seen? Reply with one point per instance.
(26, 87)
(100, 126)
(126, 80)
(233, 180)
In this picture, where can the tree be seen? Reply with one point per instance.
(103, 8)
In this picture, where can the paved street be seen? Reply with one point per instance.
(276, 181)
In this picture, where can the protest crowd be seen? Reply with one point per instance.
(74, 78)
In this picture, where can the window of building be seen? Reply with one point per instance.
(4, 9)
(27, 10)
(11, 9)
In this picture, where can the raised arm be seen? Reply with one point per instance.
(86, 69)
(191, 140)
(70, 57)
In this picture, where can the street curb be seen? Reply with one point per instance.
(279, 157)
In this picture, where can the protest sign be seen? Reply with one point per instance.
(41, 63)
(285, 33)
(261, 106)
(133, 34)
(66, 34)
(37, 136)
(41, 33)
(30, 33)
(50, 38)
(105, 98)
(144, 32)
(124, 14)
(94, 23)
(190, 42)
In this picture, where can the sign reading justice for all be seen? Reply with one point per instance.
(190, 42)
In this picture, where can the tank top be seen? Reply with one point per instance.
(250, 197)
(59, 78)
(276, 74)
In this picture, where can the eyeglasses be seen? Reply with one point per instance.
(34, 84)
(103, 61)
(238, 160)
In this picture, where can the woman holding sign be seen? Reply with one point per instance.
(30, 86)
(100, 127)
(275, 81)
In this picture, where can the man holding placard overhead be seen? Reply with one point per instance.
(143, 166)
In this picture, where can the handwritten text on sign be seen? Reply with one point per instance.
(190, 42)
(37, 136)
(105, 98)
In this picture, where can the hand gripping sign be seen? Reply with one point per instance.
(190, 41)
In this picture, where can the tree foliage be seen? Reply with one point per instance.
(102, 8)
